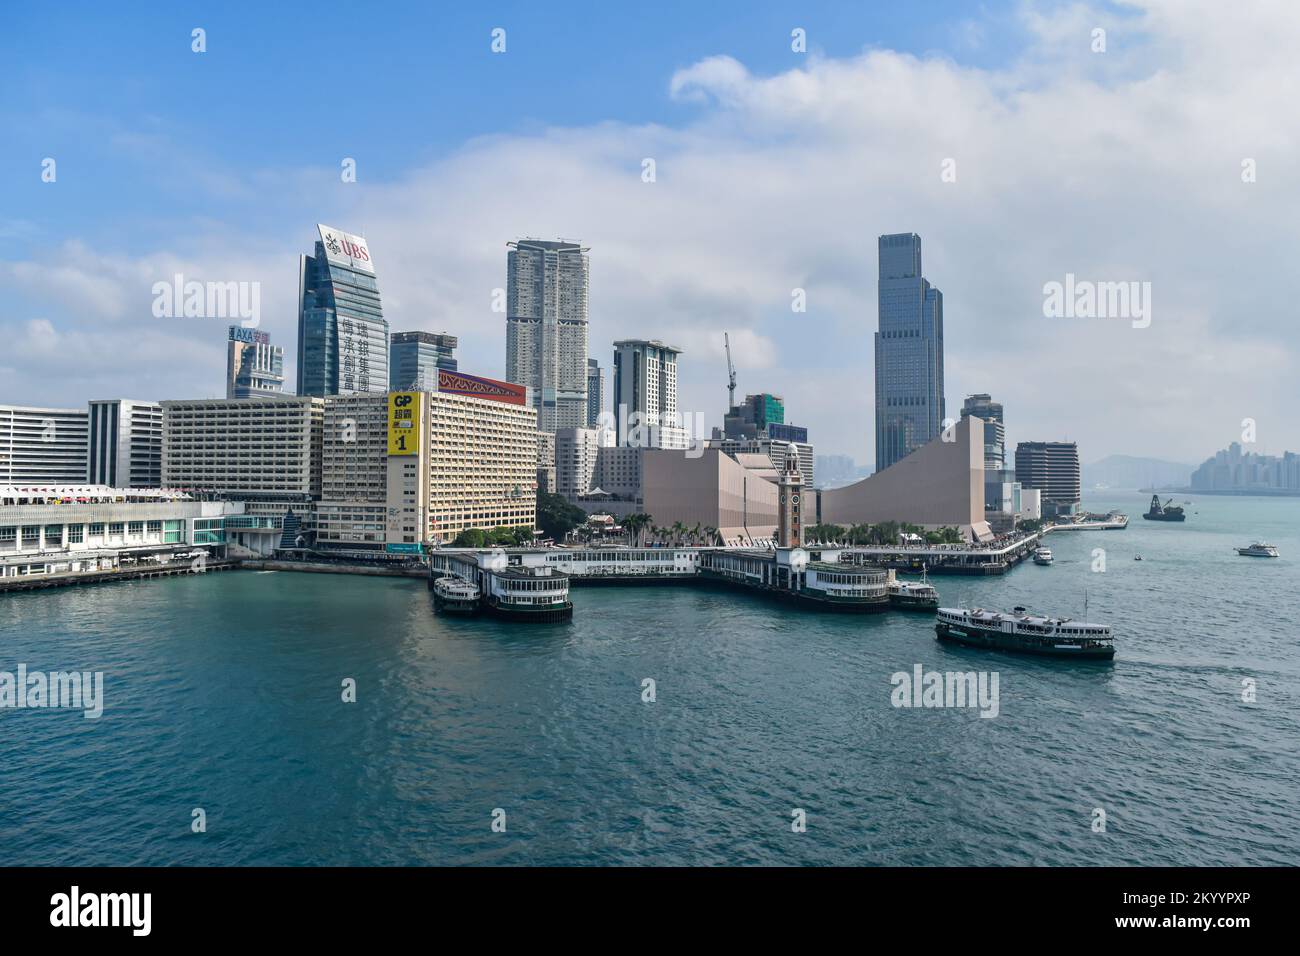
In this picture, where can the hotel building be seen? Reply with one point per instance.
(482, 462)
(546, 328)
(125, 444)
(411, 468)
(342, 333)
(42, 445)
(909, 352)
(254, 367)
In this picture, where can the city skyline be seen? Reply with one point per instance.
(689, 255)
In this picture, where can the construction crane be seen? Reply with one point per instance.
(731, 374)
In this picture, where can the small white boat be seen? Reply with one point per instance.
(1259, 550)
(1042, 556)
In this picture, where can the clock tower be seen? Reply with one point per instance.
(789, 520)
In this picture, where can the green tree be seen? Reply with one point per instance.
(556, 516)
(472, 538)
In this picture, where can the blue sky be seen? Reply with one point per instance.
(119, 97)
(776, 171)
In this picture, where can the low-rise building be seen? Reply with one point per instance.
(68, 529)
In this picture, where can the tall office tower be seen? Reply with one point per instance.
(342, 333)
(254, 367)
(1053, 468)
(546, 328)
(595, 392)
(909, 353)
(645, 384)
(125, 444)
(415, 357)
(42, 445)
(995, 436)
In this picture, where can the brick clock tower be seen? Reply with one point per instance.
(789, 520)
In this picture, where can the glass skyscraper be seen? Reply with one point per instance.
(415, 357)
(909, 352)
(342, 333)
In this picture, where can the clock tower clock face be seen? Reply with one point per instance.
(794, 498)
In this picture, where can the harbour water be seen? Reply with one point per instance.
(223, 692)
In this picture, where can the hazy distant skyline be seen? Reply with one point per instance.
(775, 171)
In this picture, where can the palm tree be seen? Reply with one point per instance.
(710, 535)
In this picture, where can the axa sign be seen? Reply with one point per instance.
(345, 248)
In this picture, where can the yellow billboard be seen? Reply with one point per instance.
(404, 416)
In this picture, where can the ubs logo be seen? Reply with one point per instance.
(346, 247)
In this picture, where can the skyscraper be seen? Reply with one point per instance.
(254, 367)
(595, 392)
(546, 328)
(342, 333)
(995, 436)
(909, 352)
(415, 357)
(645, 384)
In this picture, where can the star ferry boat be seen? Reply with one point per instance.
(1025, 633)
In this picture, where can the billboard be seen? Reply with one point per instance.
(346, 249)
(787, 432)
(475, 386)
(249, 336)
(404, 417)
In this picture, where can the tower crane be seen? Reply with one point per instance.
(731, 374)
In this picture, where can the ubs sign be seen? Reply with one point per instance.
(345, 248)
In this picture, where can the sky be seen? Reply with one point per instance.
(1018, 150)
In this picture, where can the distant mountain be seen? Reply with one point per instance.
(1125, 471)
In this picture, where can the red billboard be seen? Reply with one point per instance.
(475, 386)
